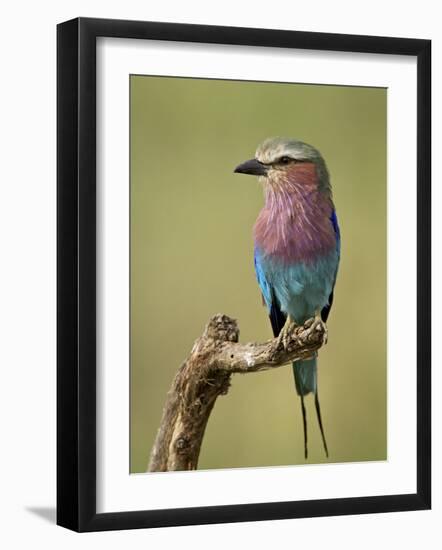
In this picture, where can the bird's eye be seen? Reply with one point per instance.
(284, 160)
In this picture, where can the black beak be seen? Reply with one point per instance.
(253, 167)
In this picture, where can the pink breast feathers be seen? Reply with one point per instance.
(295, 225)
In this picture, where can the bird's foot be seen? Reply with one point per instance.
(320, 325)
(285, 336)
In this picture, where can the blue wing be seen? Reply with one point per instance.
(277, 317)
(326, 310)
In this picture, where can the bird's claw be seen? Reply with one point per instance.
(286, 334)
(319, 325)
(312, 325)
(286, 338)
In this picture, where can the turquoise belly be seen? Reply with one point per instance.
(302, 289)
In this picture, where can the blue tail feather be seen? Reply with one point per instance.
(306, 376)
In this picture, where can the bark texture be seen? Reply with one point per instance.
(205, 375)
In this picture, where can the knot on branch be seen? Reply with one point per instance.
(181, 444)
(222, 327)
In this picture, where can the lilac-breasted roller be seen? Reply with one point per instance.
(297, 246)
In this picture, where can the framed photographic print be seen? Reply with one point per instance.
(243, 274)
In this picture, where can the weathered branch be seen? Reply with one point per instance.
(205, 375)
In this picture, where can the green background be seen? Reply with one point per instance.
(192, 257)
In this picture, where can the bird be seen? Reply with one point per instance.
(297, 246)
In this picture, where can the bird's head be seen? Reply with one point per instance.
(279, 161)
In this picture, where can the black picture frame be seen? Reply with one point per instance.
(76, 274)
